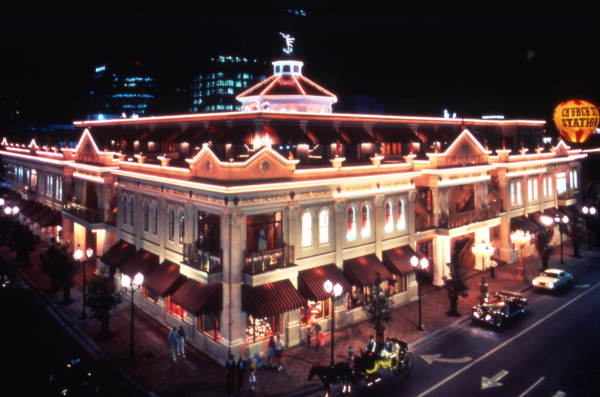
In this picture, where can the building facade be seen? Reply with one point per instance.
(236, 219)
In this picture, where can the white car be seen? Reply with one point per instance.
(552, 279)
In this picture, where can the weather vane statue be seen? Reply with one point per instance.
(289, 43)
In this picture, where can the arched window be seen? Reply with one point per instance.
(306, 229)
(389, 217)
(124, 201)
(131, 212)
(146, 216)
(401, 215)
(324, 227)
(181, 227)
(351, 224)
(154, 218)
(365, 224)
(171, 216)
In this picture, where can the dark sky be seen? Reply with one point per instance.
(474, 62)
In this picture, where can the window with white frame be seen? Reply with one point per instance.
(306, 229)
(351, 224)
(365, 225)
(389, 217)
(401, 215)
(561, 182)
(574, 181)
(532, 189)
(515, 193)
(324, 227)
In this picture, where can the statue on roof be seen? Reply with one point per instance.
(289, 43)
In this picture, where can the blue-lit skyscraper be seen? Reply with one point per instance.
(224, 77)
(120, 90)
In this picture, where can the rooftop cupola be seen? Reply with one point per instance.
(287, 68)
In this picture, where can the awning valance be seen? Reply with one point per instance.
(116, 255)
(197, 298)
(165, 279)
(271, 299)
(310, 282)
(362, 271)
(142, 262)
(397, 260)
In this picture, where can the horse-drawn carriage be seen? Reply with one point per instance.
(367, 367)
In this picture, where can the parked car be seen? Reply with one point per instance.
(499, 307)
(552, 279)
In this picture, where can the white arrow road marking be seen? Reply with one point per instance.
(559, 394)
(431, 358)
(581, 285)
(494, 381)
(531, 387)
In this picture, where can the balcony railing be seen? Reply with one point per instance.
(260, 262)
(458, 219)
(424, 222)
(205, 260)
(84, 213)
(569, 194)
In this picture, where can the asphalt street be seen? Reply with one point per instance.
(552, 350)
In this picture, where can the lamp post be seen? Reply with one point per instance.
(132, 285)
(78, 256)
(589, 212)
(520, 239)
(333, 291)
(11, 211)
(561, 222)
(485, 250)
(419, 266)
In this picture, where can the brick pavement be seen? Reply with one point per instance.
(197, 375)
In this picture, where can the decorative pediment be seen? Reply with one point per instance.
(264, 164)
(87, 151)
(465, 150)
(561, 148)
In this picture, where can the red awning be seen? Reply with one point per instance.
(52, 218)
(270, 299)
(310, 282)
(165, 279)
(118, 254)
(197, 298)
(363, 270)
(142, 262)
(397, 260)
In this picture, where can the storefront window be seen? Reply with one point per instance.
(315, 310)
(174, 308)
(210, 326)
(258, 328)
(150, 295)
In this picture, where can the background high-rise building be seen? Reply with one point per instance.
(225, 76)
(120, 89)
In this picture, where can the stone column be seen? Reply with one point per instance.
(379, 223)
(505, 248)
(442, 258)
(292, 229)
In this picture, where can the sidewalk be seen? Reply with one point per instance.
(199, 376)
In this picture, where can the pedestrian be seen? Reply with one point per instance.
(173, 341)
(318, 335)
(350, 354)
(252, 379)
(271, 351)
(279, 353)
(181, 342)
(240, 369)
(230, 373)
(309, 333)
(371, 345)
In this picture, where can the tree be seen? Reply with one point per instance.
(455, 285)
(58, 265)
(102, 299)
(379, 310)
(542, 242)
(24, 243)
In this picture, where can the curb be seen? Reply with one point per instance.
(80, 336)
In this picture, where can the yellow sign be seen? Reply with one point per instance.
(576, 119)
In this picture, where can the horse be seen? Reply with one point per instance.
(328, 375)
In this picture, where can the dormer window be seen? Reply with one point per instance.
(286, 68)
(277, 69)
(296, 69)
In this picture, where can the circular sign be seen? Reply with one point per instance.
(576, 119)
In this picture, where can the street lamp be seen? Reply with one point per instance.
(78, 256)
(520, 239)
(485, 250)
(419, 266)
(11, 211)
(132, 285)
(561, 222)
(1, 202)
(589, 212)
(333, 291)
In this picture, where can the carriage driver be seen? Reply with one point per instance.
(371, 345)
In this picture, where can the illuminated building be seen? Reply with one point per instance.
(237, 218)
(225, 76)
(120, 90)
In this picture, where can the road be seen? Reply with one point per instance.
(553, 350)
(34, 344)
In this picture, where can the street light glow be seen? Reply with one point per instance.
(424, 263)
(337, 290)
(414, 261)
(138, 279)
(546, 220)
(89, 252)
(328, 286)
(78, 254)
(125, 281)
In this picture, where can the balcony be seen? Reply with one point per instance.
(204, 260)
(86, 214)
(459, 219)
(265, 261)
(424, 222)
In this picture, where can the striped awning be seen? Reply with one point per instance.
(310, 282)
(271, 298)
(397, 260)
(165, 279)
(198, 298)
(118, 254)
(142, 262)
(362, 271)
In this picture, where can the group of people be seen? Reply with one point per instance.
(176, 340)
(236, 371)
(390, 348)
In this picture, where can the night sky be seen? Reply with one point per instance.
(473, 62)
